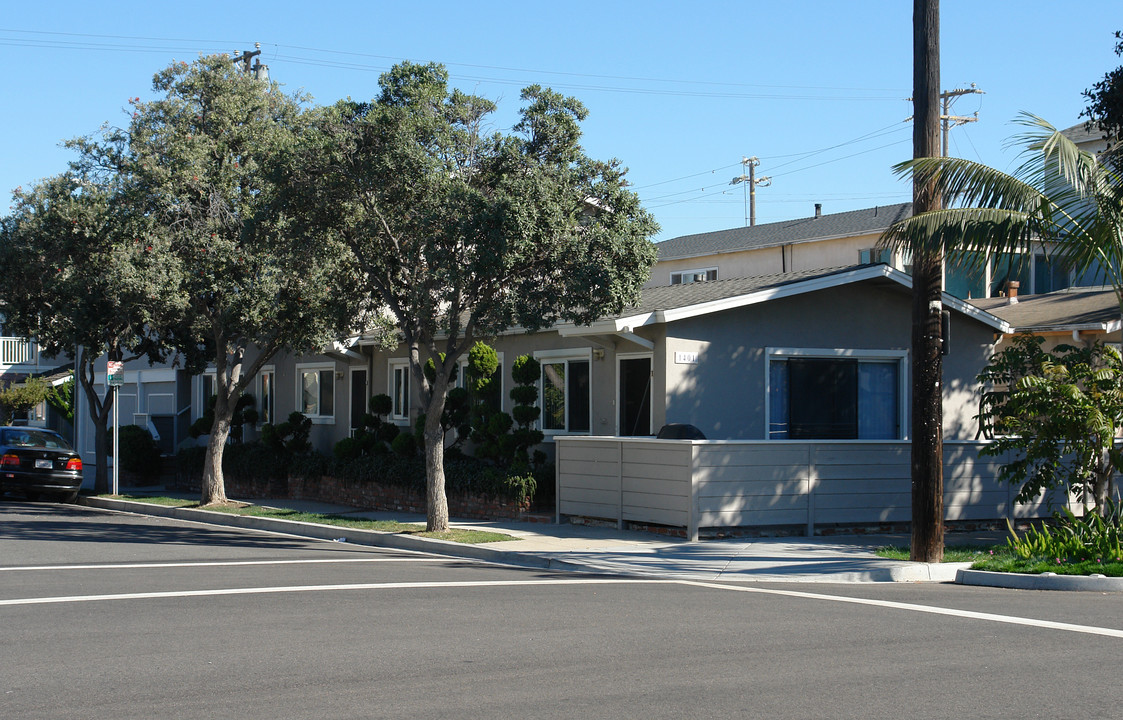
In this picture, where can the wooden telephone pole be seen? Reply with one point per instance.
(927, 303)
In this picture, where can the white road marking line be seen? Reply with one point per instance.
(1009, 619)
(315, 588)
(224, 563)
(911, 607)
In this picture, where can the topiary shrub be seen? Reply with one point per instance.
(405, 445)
(290, 437)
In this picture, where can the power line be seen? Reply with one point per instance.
(731, 93)
(632, 78)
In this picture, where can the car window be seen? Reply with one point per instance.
(34, 439)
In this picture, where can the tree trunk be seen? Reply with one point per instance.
(99, 416)
(101, 457)
(927, 307)
(1101, 484)
(436, 500)
(214, 485)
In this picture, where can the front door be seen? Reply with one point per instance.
(635, 396)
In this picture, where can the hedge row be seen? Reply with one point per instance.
(256, 463)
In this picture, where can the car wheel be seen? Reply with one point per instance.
(68, 497)
(32, 496)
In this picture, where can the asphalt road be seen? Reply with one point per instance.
(115, 616)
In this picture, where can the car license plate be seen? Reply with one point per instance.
(43, 465)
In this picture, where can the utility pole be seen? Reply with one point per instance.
(947, 120)
(750, 182)
(927, 302)
(261, 72)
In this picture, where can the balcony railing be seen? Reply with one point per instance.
(16, 351)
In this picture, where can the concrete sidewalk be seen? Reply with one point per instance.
(838, 559)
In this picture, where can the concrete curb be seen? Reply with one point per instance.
(373, 538)
(1044, 581)
(889, 572)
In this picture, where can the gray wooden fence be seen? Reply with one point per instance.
(734, 484)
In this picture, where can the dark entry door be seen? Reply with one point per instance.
(635, 396)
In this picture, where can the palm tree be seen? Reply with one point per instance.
(1060, 197)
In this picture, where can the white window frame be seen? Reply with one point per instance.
(316, 418)
(201, 397)
(900, 357)
(554, 356)
(262, 416)
(397, 365)
(695, 271)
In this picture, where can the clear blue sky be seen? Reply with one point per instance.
(678, 92)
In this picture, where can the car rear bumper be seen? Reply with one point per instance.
(39, 482)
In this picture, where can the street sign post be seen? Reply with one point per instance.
(115, 377)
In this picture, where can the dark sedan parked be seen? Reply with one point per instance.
(36, 462)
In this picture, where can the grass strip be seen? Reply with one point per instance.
(1001, 558)
(468, 537)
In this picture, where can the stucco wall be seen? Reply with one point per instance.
(808, 255)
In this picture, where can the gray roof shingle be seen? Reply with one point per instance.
(1078, 307)
(845, 224)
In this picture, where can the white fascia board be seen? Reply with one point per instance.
(613, 326)
(954, 303)
(977, 313)
(1104, 327)
(633, 338)
(343, 351)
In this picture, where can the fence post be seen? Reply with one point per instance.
(620, 484)
(810, 492)
(692, 498)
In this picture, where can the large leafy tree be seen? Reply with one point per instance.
(461, 235)
(210, 164)
(86, 277)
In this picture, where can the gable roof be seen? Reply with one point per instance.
(787, 232)
(1078, 308)
(677, 302)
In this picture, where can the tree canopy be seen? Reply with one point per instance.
(210, 164)
(86, 277)
(461, 235)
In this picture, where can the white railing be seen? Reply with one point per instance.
(16, 351)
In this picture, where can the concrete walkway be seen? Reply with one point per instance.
(838, 559)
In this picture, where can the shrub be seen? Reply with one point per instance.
(348, 448)
(290, 437)
(1093, 537)
(137, 451)
(405, 445)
